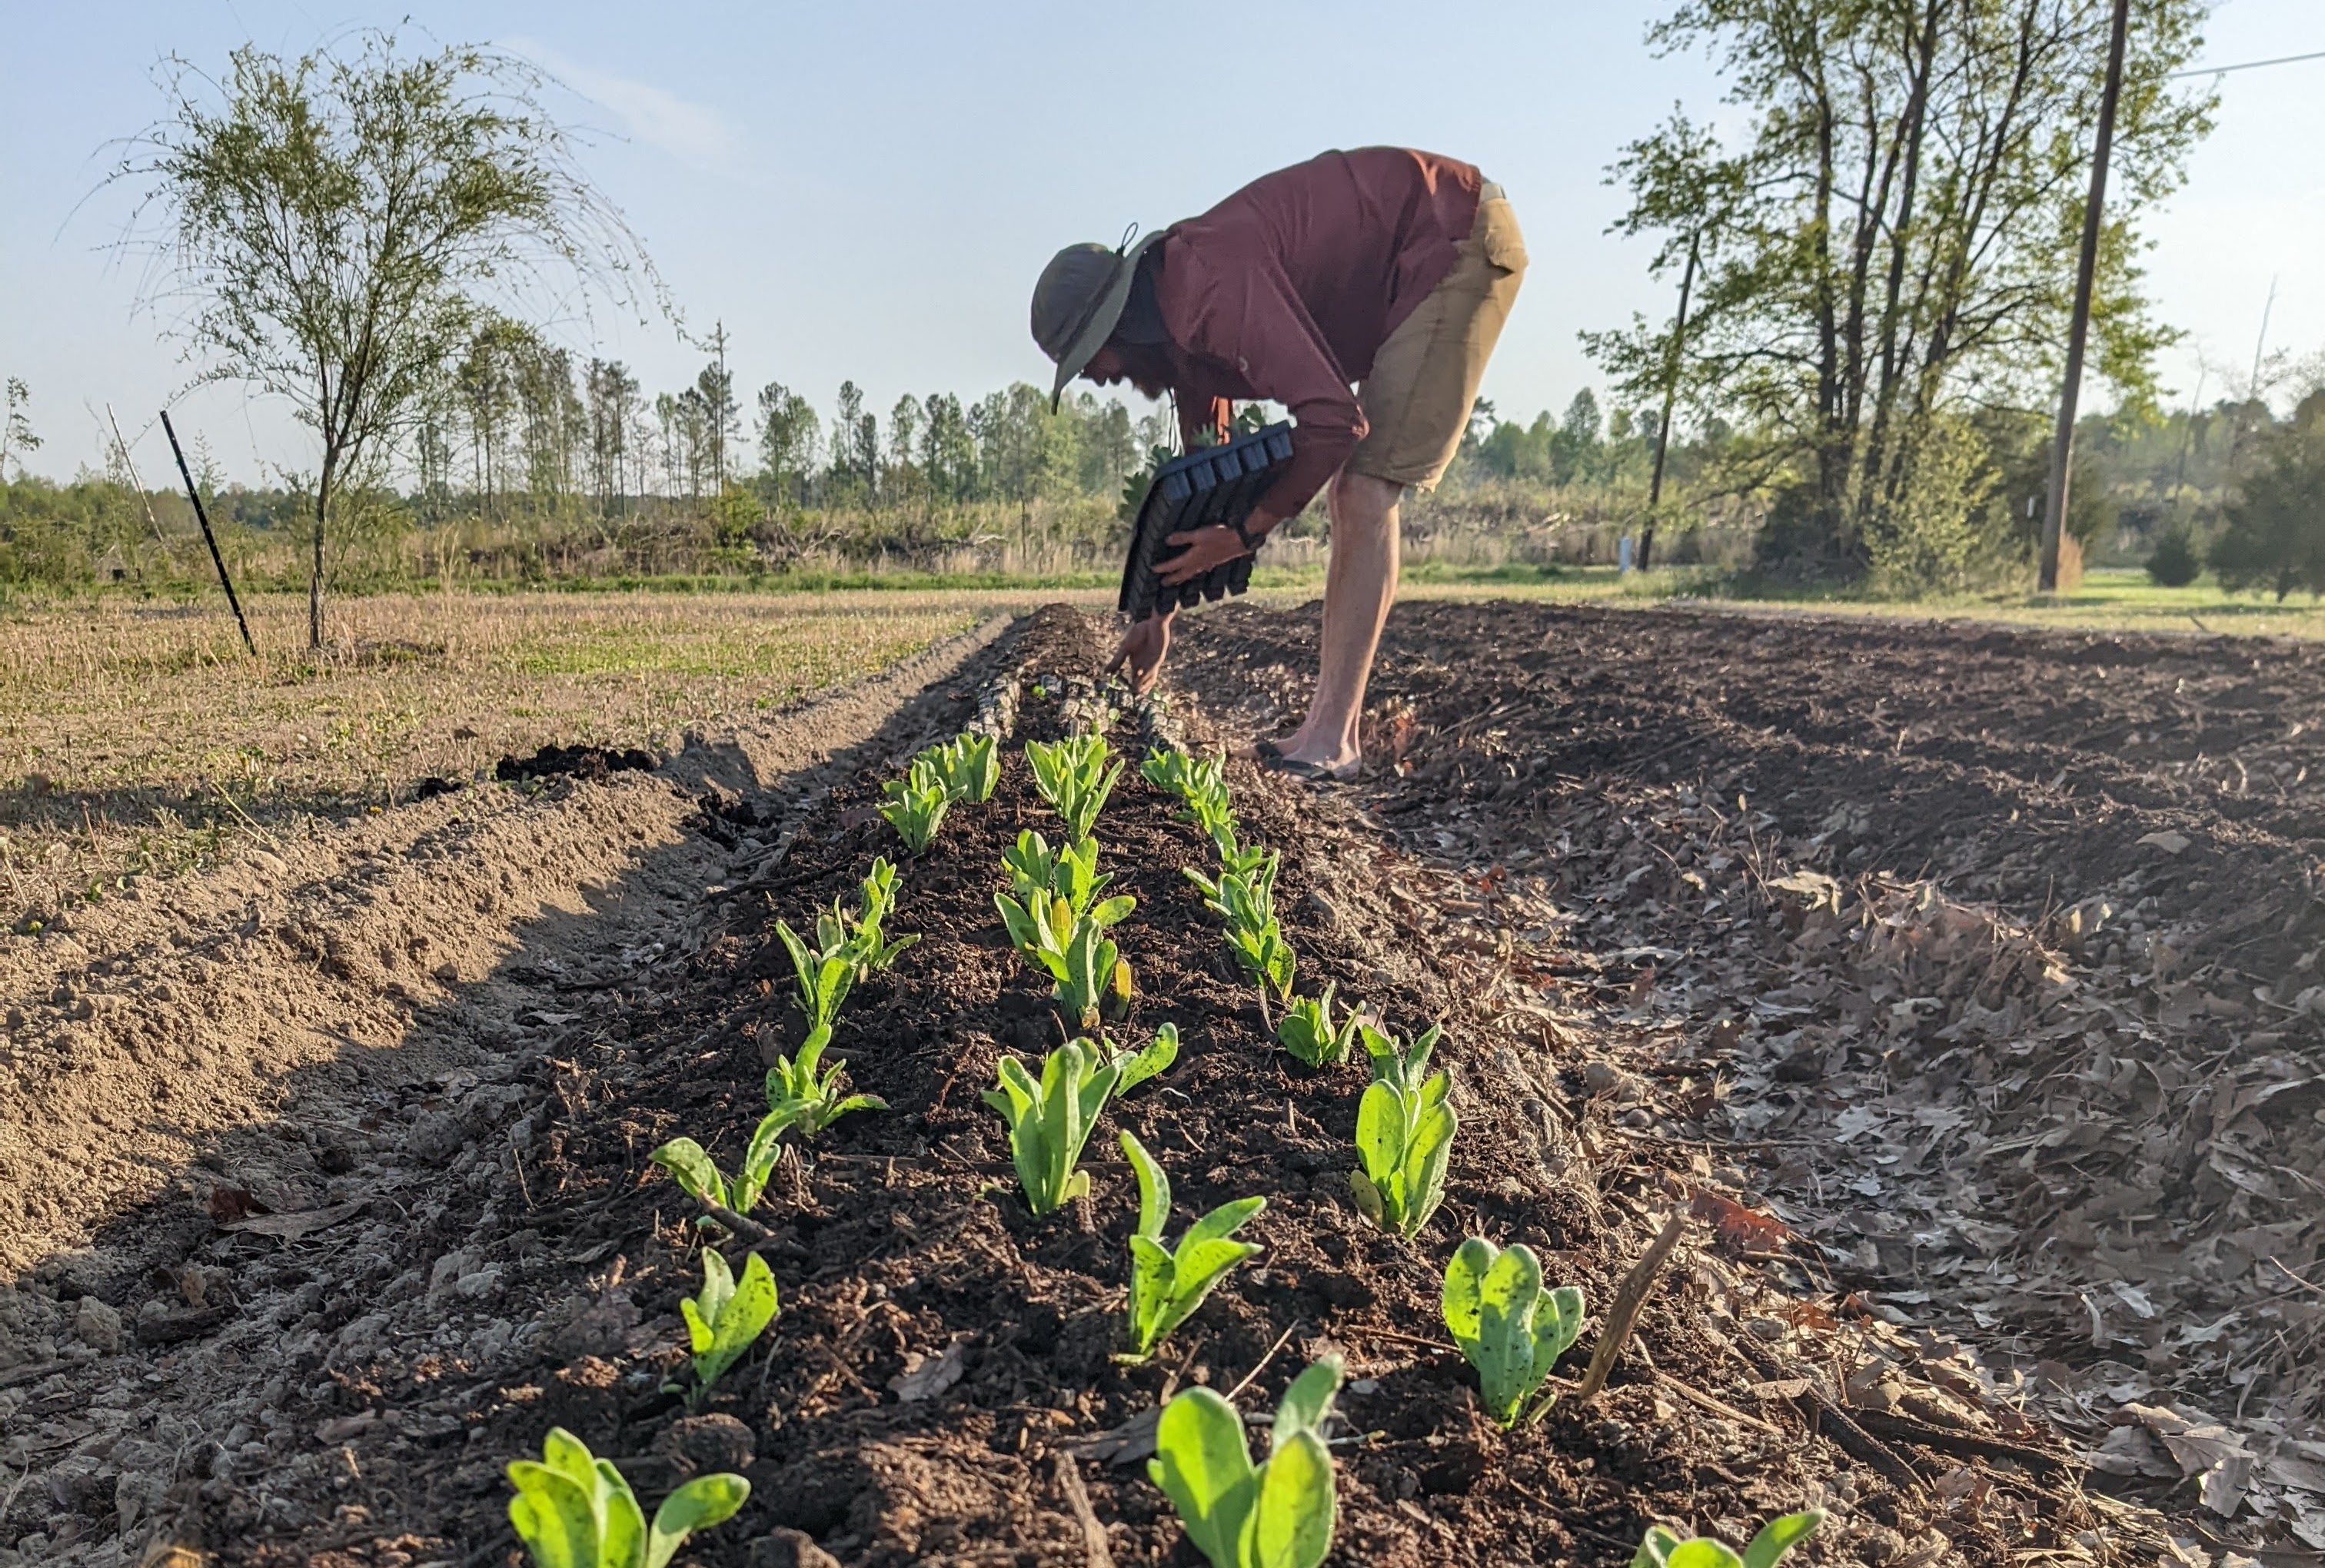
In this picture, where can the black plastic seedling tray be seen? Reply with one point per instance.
(1213, 484)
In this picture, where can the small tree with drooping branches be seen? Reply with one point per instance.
(338, 226)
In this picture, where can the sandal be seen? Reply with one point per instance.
(1272, 760)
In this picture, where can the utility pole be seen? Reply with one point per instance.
(2054, 516)
(1670, 395)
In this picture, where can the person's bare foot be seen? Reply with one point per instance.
(1288, 755)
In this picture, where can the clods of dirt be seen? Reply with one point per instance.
(590, 762)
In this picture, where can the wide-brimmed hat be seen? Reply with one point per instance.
(1079, 301)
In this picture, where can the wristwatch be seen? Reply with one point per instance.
(1250, 541)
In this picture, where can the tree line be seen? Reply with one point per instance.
(524, 426)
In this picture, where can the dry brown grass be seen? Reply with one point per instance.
(140, 738)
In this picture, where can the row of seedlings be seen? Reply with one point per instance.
(575, 1510)
(1510, 1327)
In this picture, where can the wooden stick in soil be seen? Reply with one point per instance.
(1855, 1441)
(745, 1230)
(1069, 1482)
(1623, 1316)
(208, 537)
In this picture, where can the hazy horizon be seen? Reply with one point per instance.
(868, 195)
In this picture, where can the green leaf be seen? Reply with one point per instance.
(1133, 1069)
(1153, 1186)
(741, 1317)
(552, 1516)
(1151, 1276)
(1463, 1297)
(1702, 1554)
(696, 1175)
(1656, 1549)
(1557, 1321)
(622, 1544)
(1503, 1354)
(1224, 1220)
(1195, 1269)
(1293, 1520)
(701, 1503)
(1380, 1132)
(717, 1290)
(1780, 1535)
(1204, 1467)
(1113, 911)
(1308, 1399)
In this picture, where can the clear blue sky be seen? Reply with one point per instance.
(867, 191)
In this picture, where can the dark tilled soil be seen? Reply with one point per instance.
(907, 1241)
(1994, 954)
(2023, 767)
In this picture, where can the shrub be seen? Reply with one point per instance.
(2273, 532)
(2174, 563)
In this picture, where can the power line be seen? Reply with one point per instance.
(2246, 65)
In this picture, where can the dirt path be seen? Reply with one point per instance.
(1994, 956)
(338, 1015)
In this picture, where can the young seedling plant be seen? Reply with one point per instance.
(1072, 776)
(860, 937)
(1037, 874)
(1511, 1329)
(574, 1510)
(1201, 788)
(1049, 1121)
(1245, 902)
(1277, 1514)
(699, 1177)
(1091, 978)
(798, 1096)
(968, 766)
(1664, 1549)
(1404, 1135)
(821, 974)
(916, 804)
(1307, 1031)
(1167, 1286)
(727, 1318)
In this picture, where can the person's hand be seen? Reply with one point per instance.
(1205, 548)
(1143, 647)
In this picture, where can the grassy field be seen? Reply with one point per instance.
(137, 739)
(2107, 601)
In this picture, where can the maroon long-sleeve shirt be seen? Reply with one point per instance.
(1288, 288)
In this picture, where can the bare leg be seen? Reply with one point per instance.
(1359, 586)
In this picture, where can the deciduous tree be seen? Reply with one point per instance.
(1890, 249)
(337, 225)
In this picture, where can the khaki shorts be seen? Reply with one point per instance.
(1425, 378)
